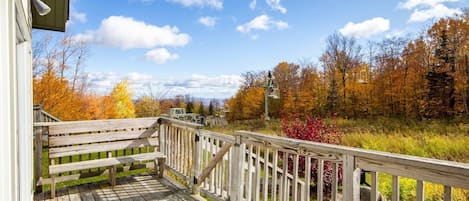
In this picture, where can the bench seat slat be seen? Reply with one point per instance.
(57, 128)
(61, 168)
(100, 137)
(101, 147)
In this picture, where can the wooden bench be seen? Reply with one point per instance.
(71, 140)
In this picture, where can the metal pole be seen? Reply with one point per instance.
(266, 102)
(266, 97)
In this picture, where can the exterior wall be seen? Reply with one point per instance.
(15, 101)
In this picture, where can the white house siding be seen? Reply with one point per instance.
(15, 101)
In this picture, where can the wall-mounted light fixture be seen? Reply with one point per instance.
(41, 7)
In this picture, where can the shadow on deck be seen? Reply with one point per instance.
(138, 187)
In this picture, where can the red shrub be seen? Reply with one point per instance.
(316, 130)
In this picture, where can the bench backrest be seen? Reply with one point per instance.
(84, 137)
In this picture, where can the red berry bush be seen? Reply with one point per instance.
(317, 130)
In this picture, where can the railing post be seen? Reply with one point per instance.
(237, 169)
(38, 132)
(37, 115)
(196, 162)
(351, 179)
(162, 136)
(161, 147)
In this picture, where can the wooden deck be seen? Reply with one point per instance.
(237, 167)
(140, 187)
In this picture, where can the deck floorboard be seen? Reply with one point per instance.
(144, 187)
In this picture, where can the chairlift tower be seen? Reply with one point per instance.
(271, 90)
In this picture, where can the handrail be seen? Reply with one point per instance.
(452, 173)
(42, 116)
(50, 116)
(168, 120)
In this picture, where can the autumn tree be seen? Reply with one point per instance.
(341, 56)
(107, 108)
(248, 102)
(147, 107)
(287, 78)
(122, 100)
(388, 76)
(58, 83)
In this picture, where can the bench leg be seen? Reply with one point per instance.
(161, 164)
(52, 188)
(112, 175)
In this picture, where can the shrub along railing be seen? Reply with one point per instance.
(251, 166)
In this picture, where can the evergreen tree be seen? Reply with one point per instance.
(211, 110)
(201, 109)
(189, 107)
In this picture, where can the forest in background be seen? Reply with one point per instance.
(425, 77)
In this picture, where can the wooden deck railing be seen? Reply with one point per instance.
(42, 116)
(192, 156)
(251, 166)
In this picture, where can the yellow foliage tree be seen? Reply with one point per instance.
(147, 107)
(122, 100)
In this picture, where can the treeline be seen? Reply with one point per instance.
(62, 88)
(424, 77)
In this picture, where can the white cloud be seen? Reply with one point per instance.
(84, 37)
(366, 28)
(217, 4)
(437, 11)
(424, 10)
(253, 4)
(208, 21)
(126, 33)
(262, 22)
(221, 86)
(78, 16)
(160, 55)
(410, 4)
(275, 5)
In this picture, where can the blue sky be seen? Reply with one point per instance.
(201, 47)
